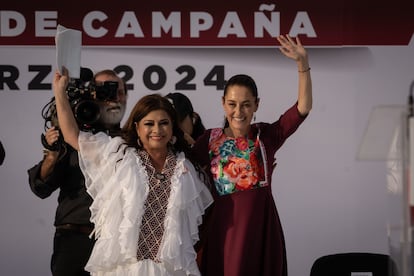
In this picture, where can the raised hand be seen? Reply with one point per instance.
(291, 48)
(60, 81)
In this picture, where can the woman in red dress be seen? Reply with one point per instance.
(243, 235)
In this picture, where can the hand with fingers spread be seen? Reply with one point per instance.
(292, 48)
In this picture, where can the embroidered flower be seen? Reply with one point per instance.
(228, 148)
(215, 134)
(236, 164)
(240, 172)
(215, 170)
(242, 143)
(215, 142)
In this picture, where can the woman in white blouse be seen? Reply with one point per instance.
(149, 197)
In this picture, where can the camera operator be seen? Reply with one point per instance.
(97, 107)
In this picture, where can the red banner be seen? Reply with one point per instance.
(213, 23)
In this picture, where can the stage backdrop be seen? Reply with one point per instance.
(328, 201)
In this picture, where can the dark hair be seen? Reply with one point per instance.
(242, 80)
(141, 109)
(184, 108)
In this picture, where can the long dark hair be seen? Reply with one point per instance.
(184, 108)
(242, 80)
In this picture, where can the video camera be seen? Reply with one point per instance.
(83, 95)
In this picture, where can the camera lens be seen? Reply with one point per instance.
(86, 112)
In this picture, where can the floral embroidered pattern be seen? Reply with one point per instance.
(236, 163)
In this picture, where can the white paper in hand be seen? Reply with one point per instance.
(68, 50)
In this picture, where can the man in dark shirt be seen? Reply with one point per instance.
(59, 169)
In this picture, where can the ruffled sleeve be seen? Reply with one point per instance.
(188, 201)
(98, 156)
(118, 185)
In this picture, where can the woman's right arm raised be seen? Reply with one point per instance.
(67, 121)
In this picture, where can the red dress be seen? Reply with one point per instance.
(242, 234)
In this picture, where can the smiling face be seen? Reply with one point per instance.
(155, 130)
(111, 111)
(239, 106)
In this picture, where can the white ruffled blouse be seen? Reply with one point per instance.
(117, 180)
